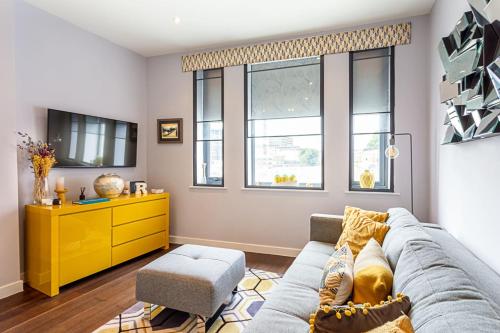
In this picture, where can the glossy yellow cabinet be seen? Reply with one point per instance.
(66, 243)
(84, 243)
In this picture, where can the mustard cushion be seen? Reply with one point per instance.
(337, 281)
(399, 325)
(372, 275)
(375, 216)
(359, 230)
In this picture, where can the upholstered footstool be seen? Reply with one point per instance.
(192, 278)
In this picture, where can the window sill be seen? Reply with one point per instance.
(373, 193)
(299, 190)
(192, 187)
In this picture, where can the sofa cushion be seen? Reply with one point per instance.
(404, 228)
(375, 216)
(337, 280)
(269, 320)
(372, 275)
(485, 279)
(358, 318)
(307, 268)
(443, 296)
(358, 230)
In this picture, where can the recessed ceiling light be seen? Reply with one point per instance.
(177, 20)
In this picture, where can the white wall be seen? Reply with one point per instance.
(271, 217)
(464, 190)
(9, 232)
(63, 67)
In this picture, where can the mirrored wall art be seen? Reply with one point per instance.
(470, 89)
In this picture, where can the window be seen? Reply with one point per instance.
(371, 117)
(284, 124)
(208, 130)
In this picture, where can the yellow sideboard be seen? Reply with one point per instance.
(69, 242)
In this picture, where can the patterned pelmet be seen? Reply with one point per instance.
(384, 36)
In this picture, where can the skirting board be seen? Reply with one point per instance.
(11, 289)
(256, 248)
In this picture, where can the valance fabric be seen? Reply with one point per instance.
(365, 39)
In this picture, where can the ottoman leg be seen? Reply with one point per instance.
(147, 311)
(200, 324)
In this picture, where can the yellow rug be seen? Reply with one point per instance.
(253, 290)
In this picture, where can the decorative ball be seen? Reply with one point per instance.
(109, 185)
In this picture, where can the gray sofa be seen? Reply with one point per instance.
(450, 289)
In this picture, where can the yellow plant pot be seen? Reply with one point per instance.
(367, 179)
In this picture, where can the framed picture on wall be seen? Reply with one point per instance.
(170, 130)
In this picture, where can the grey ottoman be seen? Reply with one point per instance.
(192, 278)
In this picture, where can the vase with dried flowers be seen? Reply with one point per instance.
(42, 158)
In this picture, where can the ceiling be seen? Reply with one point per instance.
(148, 27)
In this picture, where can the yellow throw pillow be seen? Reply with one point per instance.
(375, 216)
(336, 284)
(372, 275)
(359, 230)
(400, 325)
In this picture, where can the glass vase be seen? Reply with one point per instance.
(40, 189)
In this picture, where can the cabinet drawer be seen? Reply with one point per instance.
(138, 247)
(130, 231)
(84, 244)
(139, 211)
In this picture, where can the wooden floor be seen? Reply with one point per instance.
(87, 304)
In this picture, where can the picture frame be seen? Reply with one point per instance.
(170, 130)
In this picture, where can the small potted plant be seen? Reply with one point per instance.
(42, 158)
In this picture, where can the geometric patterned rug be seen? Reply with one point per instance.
(253, 290)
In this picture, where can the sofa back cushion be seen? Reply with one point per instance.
(442, 294)
(404, 227)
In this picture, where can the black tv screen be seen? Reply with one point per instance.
(82, 141)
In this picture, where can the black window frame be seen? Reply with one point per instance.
(322, 135)
(386, 163)
(195, 129)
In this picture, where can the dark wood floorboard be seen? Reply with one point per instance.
(85, 305)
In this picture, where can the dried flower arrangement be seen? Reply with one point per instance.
(42, 158)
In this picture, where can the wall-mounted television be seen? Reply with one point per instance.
(83, 141)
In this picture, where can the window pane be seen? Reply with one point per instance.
(368, 154)
(209, 128)
(371, 123)
(210, 131)
(372, 53)
(284, 93)
(371, 88)
(285, 161)
(209, 162)
(209, 73)
(282, 64)
(290, 126)
(209, 99)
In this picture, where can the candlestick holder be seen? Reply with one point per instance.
(61, 195)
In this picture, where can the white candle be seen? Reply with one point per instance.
(60, 184)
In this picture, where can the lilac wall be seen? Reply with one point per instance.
(9, 231)
(61, 66)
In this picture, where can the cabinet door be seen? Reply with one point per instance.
(84, 244)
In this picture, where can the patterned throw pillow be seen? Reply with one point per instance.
(358, 318)
(375, 216)
(336, 284)
(359, 230)
(372, 275)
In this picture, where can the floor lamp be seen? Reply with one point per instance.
(392, 152)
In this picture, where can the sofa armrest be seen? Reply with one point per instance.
(325, 228)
